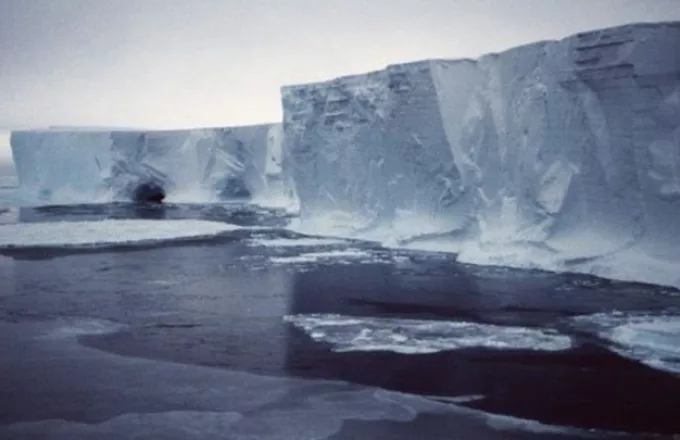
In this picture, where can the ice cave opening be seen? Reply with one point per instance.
(148, 192)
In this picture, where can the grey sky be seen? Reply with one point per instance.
(220, 62)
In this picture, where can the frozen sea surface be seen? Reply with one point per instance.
(217, 321)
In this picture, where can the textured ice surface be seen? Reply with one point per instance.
(652, 340)
(105, 232)
(554, 154)
(407, 336)
(59, 166)
(336, 256)
(298, 242)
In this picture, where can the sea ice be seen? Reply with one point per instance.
(105, 232)
(408, 336)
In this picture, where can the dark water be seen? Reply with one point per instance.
(221, 302)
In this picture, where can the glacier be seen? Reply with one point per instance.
(561, 155)
(85, 165)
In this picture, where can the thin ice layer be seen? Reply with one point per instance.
(105, 232)
(544, 155)
(408, 336)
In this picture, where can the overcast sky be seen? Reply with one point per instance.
(172, 63)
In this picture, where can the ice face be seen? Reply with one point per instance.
(197, 165)
(554, 154)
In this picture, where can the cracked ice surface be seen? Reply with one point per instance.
(563, 155)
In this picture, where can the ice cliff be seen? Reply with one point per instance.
(561, 154)
(66, 166)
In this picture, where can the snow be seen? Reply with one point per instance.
(657, 341)
(653, 340)
(408, 336)
(84, 166)
(562, 155)
(105, 232)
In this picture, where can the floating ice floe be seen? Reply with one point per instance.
(653, 340)
(106, 232)
(407, 336)
(336, 256)
(297, 242)
(75, 327)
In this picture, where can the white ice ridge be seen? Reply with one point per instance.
(408, 336)
(298, 242)
(67, 166)
(105, 232)
(551, 155)
(336, 256)
(652, 340)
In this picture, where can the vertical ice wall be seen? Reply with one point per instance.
(570, 148)
(279, 192)
(573, 143)
(370, 144)
(196, 165)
